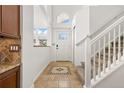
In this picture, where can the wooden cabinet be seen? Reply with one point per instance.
(10, 79)
(10, 21)
(0, 19)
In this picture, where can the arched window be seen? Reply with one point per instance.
(63, 18)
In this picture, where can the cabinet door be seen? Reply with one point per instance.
(9, 81)
(0, 18)
(10, 20)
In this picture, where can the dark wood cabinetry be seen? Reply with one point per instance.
(10, 79)
(10, 21)
(0, 19)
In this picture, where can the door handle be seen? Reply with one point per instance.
(57, 46)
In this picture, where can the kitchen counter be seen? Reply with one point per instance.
(8, 66)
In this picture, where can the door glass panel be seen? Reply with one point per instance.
(63, 35)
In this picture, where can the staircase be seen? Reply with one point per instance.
(104, 53)
(100, 60)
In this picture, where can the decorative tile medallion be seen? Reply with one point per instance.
(60, 70)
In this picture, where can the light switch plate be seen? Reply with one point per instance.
(14, 48)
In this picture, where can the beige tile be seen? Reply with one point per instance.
(58, 80)
(52, 84)
(64, 84)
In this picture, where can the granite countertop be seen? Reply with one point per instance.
(8, 66)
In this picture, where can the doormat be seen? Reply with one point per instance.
(60, 70)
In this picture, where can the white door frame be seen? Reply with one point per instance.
(73, 42)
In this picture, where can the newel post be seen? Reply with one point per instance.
(87, 63)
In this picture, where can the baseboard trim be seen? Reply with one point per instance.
(36, 77)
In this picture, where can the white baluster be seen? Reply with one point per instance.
(99, 61)
(87, 63)
(114, 48)
(94, 64)
(119, 42)
(123, 41)
(109, 50)
(104, 61)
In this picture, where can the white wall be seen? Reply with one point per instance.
(82, 23)
(100, 15)
(39, 16)
(82, 29)
(115, 80)
(34, 59)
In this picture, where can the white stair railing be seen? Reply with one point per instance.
(105, 52)
(109, 58)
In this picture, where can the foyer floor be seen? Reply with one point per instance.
(59, 75)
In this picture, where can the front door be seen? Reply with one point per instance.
(64, 45)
